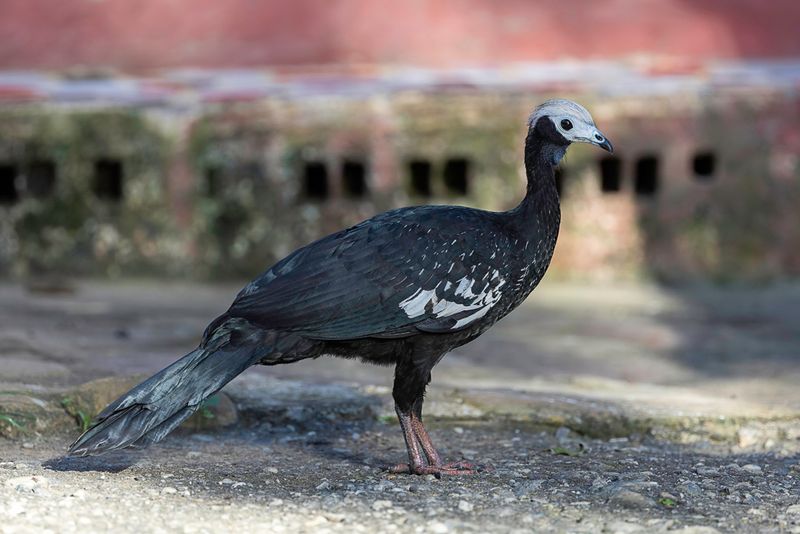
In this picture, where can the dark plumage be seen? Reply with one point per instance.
(402, 288)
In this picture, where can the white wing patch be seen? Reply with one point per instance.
(416, 305)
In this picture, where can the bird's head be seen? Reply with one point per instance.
(562, 122)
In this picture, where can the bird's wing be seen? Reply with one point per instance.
(391, 276)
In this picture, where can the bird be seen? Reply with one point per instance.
(402, 288)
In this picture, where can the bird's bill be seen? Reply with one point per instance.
(598, 139)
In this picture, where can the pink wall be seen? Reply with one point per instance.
(144, 34)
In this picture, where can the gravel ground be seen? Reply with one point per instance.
(606, 361)
(320, 477)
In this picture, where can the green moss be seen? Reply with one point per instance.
(58, 233)
(9, 420)
(667, 502)
(83, 419)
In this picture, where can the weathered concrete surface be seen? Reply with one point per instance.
(684, 365)
(629, 409)
(734, 344)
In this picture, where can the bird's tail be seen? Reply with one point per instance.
(151, 410)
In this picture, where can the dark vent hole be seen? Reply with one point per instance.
(646, 177)
(354, 178)
(456, 176)
(704, 164)
(315, 180)
(420, 178)
(8, 184)
(107, 182)
(610, 175)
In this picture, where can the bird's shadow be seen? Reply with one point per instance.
(108, 463)
(118, 461)
(315, 432)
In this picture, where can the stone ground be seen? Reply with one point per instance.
(617, 409)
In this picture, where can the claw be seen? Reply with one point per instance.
(453, 468)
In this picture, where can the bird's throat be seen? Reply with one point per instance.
(541, 157)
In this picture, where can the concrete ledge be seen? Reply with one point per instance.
(602, 410)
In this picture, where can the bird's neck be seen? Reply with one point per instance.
(541, 197)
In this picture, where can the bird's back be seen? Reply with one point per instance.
(433, 269)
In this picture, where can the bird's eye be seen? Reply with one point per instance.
(566, 124)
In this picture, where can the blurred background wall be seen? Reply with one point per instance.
(208, 139)
(132, 35)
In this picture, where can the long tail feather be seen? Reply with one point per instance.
(154, 408)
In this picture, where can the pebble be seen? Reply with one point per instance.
(458, 430)
(630, 499)
(226, 481)
(169, 490)
(335, 517)
(690, 488)
(381, 505)
(438, 528)
(29, 484)
(324, 485)
(272, 470)
(465, 506)
(706, 471)
(753, 469)
(793, 510)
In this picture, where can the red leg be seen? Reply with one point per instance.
(415, 435)
(410, 380)
(415, 461)
(460, 467)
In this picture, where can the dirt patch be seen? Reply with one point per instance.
(330, 476)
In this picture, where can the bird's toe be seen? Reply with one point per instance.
(453, 468)
(400, 469)
(461, 464)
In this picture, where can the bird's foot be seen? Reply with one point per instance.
(452, 468)
(463, 465)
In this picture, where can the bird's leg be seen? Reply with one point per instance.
(415, 435)
(408, 393)
(412, 446)
(425, 440)
(463, 467)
